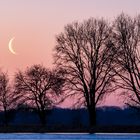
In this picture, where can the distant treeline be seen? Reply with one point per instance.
(93, 59)
(73, 118)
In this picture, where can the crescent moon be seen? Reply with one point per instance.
(11, 46)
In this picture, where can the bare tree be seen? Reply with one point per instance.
(84, 51)
(37, 86)
(6, 96)
(127, 34)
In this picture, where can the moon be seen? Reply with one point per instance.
(11, 46)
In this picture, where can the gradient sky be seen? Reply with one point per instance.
(34, 24)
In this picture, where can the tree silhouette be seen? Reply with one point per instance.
(84, 51)
(37, 86)
(127, 34)
(7, 98)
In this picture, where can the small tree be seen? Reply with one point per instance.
(127, 34)
(6, 96)
(37, 86)
(84, 51)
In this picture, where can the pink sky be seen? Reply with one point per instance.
(34, 24)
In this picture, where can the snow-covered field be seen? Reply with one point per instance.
(18, 136)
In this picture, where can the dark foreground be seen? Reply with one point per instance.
(41, 129)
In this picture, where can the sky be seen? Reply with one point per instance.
(35, 23)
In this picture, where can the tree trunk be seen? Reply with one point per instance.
(92, 115)
(42, 116)
(5, 117)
